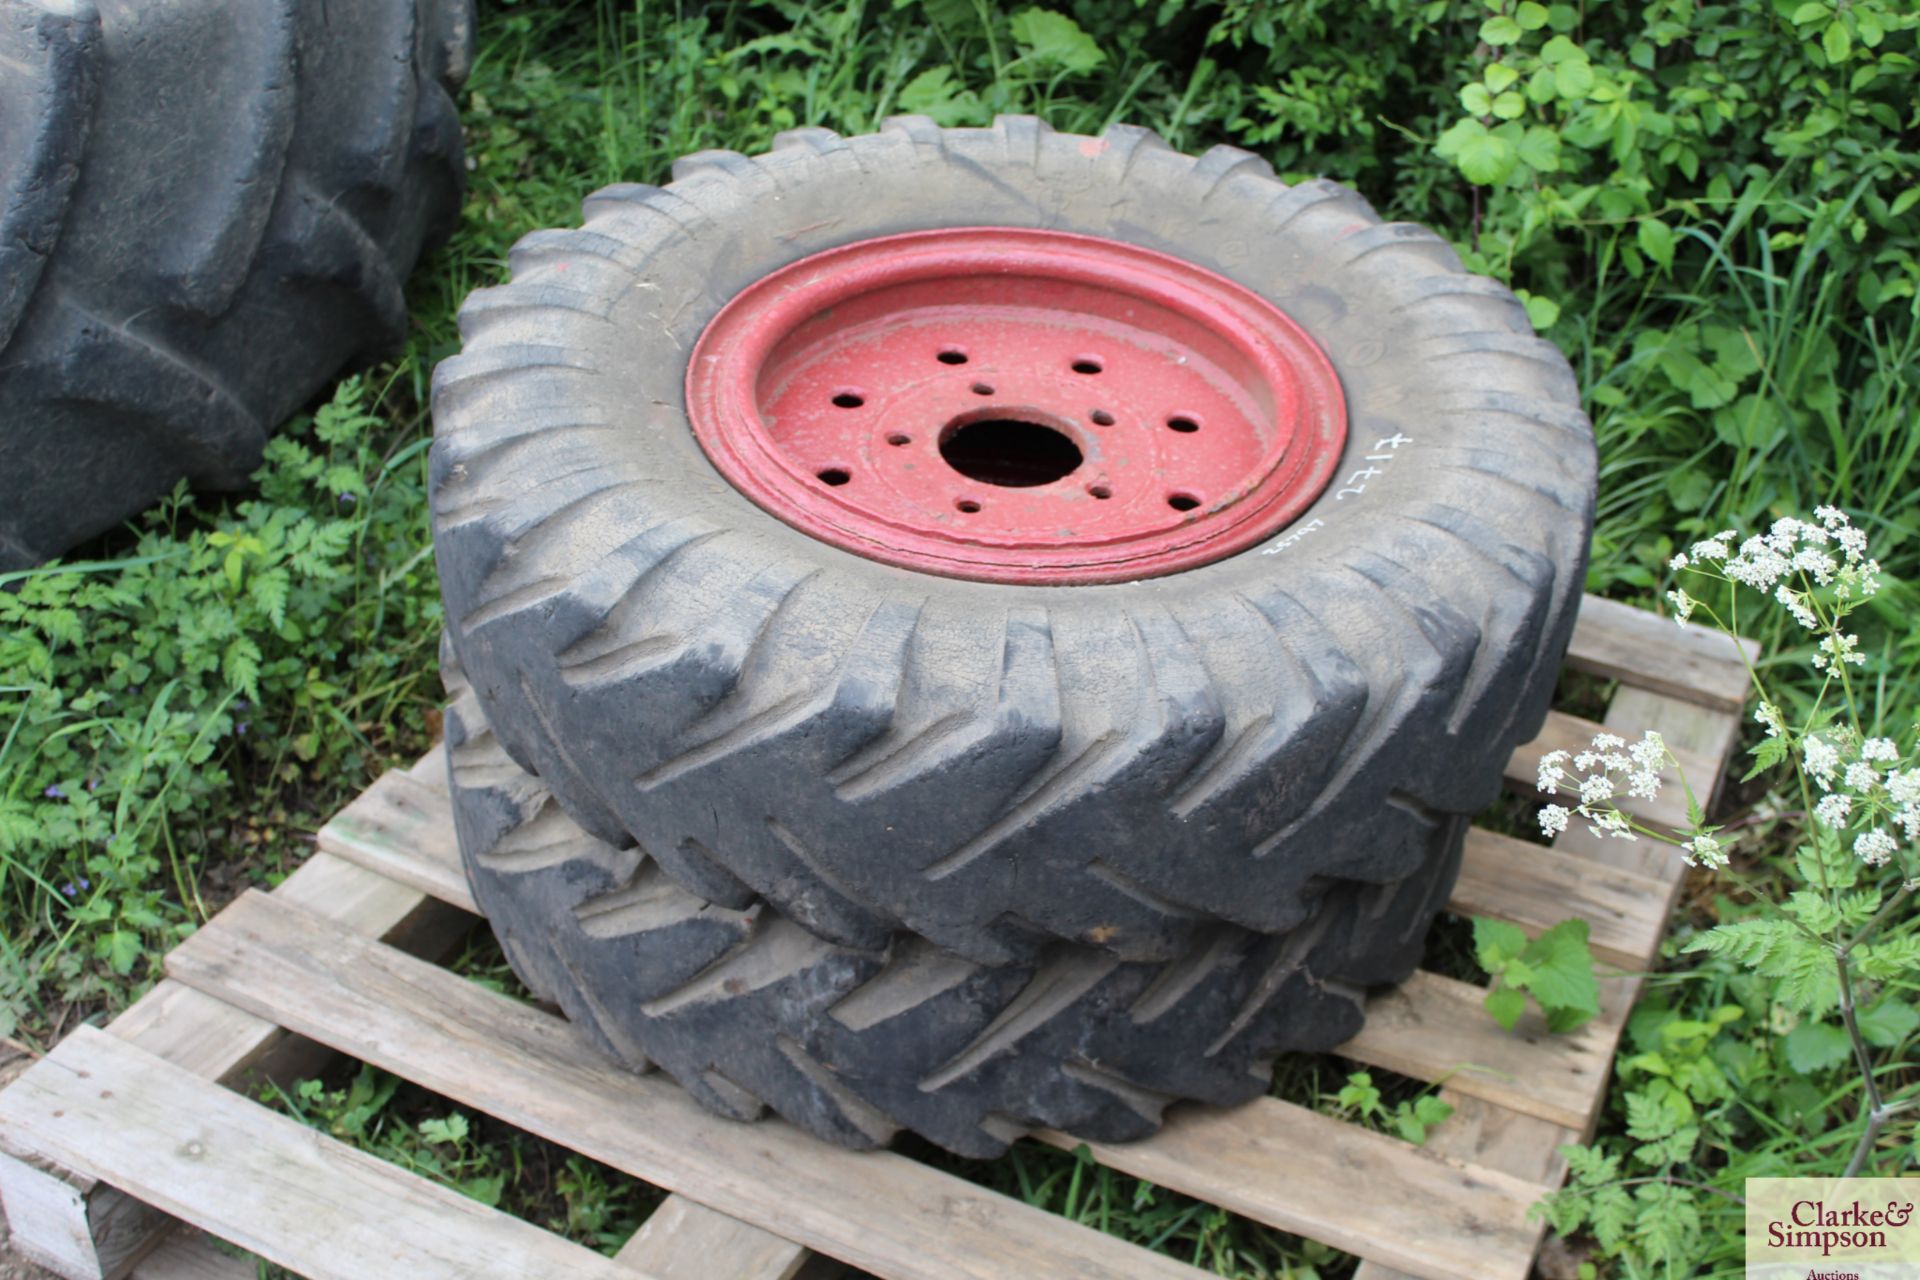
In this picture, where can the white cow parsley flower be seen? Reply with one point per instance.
(1821, 760)
(1704, 851)
(1553, 819)
(1833, 809)
(1861, 777)
(1796, 604)
(1875, 847)
(1879, 749)
(1553, 771)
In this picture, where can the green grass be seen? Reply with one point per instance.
(1713, 215)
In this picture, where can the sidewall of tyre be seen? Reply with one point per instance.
(772, 718)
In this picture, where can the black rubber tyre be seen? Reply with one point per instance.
(996, 767)
(210, 206)
(748, 1010)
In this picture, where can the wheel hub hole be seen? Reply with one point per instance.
(1009, 452)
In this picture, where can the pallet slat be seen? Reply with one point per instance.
(188, 1254)
(269, 1184)
(880, 1211)
(1536, 887)
(1689, 662)
(1294, 1169)
(682, 1240)
(1435, 1028)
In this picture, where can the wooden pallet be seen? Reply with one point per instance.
(121, 1135)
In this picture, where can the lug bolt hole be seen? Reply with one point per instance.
(1101, 418)
(1100, 491)
(899, 438)
(849, 400)
(1183, 425)
(835, 476)
(1086, 365)
(982, 389)
(1182, 501)
(966, 506)
(952, 356)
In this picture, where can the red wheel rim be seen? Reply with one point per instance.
(1020, 406)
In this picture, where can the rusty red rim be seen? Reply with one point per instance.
(1012, 405)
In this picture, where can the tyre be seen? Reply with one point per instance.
(210, 207)
(748, 1011)
(895, 660)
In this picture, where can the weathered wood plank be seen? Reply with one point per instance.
(882, 1212)
(1536, 887)
(1693, 663)
(47, 1217)
(402, 828)
(269, 1184)
(216, 1040)
(187, 1254)
(1371, 1195)
(682, 1240)
(1434, 1028)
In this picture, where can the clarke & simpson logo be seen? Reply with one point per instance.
(1833, 1229)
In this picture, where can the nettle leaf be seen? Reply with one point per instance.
(1495, 942)
(1056, 40)
(1815, 1046)
(1506, 1005)
(1562, 966)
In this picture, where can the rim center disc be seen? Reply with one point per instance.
(1021, 406)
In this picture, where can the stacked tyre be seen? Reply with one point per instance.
(207, 209)
(967, 630)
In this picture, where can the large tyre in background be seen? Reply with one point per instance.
(749, 1011)
(210, 207)
(874, 720)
